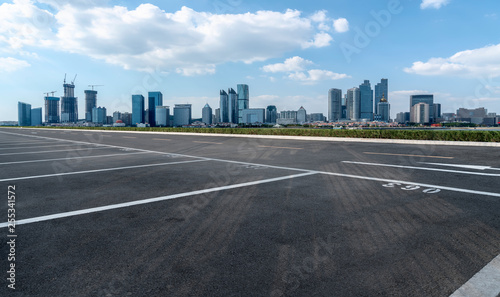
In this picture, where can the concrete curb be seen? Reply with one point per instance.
(303, 138)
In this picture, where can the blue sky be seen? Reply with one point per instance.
(288, 52)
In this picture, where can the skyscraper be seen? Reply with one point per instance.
(99, 115)
(182, 115)
(428, 99)
(353, 104)
(52, 110)
(384, 110)
(366, 103)
(23, 114)
(301, 115)
(137, 109)
(271, 114)
(206, 114)
(232, 106)
(243, 100)
(90, 103)
(162, 115)
(69, 104)
(36, 116)
(154, 99)
(420, 113)
(224, 107)
(334, 105)
(381, 89)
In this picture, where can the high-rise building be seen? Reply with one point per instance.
(271, 114)
(334, 105)
(90, 103)
(224, 107)
(243, 100)
(23, 114)
(154, 99)
(253, 115)
(206, 114)
(366, 102)
(217, 115)
(420, 113)
(353, 104)
(384, 110)
(162, 116)
(36, 116)
(52, 110)
(182, 115)
(233, 106)
(428, 99)
(117, 116)
(381, 90)
(437, 110)
(127, 118)
(317, 117)
(301, 115)
(99, 115)
(137, 109)
(69, 104)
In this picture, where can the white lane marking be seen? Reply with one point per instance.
(162, 139)
(151, 200)
(295, 169)
(96, 170)
(485, 283)
(413, 183)
(35, 147)
(27, 142)
(128, 137)
(71, 158)
(209, 142)
(476, 167)
(281, 147)
(422, 168)
(404, 155)
(40, 152)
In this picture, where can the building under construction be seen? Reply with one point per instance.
(69, 103)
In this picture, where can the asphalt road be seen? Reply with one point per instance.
(244, 216)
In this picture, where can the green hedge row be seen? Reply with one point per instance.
(447, 135)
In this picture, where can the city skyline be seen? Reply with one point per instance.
(331, 45)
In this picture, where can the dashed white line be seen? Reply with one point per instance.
(209, 142)
(151, 200)
(30, 147)
(405, 155)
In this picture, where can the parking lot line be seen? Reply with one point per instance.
(97, 170)
(422, 168)
(151, 200)
(209, 142)
(282, 147)
(405, 155)
(40, 152)
(71, 158)
(27, 147)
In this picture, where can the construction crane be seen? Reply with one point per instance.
(73, 82)
(47, 93)
(95, 86)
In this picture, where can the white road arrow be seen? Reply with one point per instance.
(477, 167)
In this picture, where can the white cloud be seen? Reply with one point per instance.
(436, 4)
(187, 41)
(315, 75)
(470, 63)
(319, 16)
(291, 64)
(341, 25)
(10, 64)
(321, 39)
